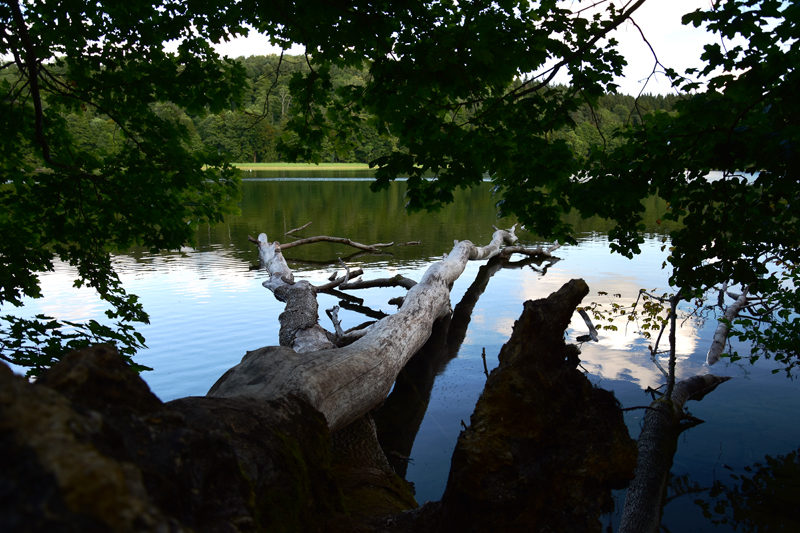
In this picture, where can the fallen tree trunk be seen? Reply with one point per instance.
(658, 441)
(344, 383)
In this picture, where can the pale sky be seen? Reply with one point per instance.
(677, 46)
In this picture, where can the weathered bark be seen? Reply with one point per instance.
(88, 447)
(544, 447)
(657, 444)
(345, 383)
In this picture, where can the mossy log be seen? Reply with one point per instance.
(544, 447)
(89, 447)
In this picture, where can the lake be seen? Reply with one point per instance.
(207, 308)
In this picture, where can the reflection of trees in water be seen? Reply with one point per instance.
(764, 499)
(399, 418)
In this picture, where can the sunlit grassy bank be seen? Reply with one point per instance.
(302, 166)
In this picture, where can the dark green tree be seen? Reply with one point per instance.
(67, 195)
(459, 89)
(240, 137)
(743, 120)
(466, 89)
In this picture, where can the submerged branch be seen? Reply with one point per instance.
(338, 240)
(304, 226)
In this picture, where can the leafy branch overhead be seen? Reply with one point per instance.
(79, 205)
(462, 111)
(110, 141)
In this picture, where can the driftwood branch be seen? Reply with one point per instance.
(304, 226)
(588, 321)
(339, 240)
(724, 327)
(539, 251)
(345, 383)
(333, 314)
(324, 238)
(340, 281)
(395, 281)
(346, 270)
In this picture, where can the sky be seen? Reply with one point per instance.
(676, 46)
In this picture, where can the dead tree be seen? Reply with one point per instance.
(345, 383)
(664, 421)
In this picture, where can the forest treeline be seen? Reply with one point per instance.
(250, 133)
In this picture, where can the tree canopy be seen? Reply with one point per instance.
(463, 90)
(64, 199)
(453, 83)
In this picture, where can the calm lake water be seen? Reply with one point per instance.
(207, 307)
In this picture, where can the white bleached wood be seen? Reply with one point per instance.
(346, 383)
(588, 321)
(724, 328)
(299, 328)
(272, 258)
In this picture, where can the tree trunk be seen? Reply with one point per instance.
(544, 447)
(724, 327)
(658, 441)
(344, 383)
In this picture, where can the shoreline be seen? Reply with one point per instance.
(301, 166)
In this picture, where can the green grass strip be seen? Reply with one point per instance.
(301, 166)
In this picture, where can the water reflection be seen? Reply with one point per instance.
(207, 308)
(763, 498)
(401, 415)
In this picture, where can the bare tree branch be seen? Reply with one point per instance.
(588, 321)
(338, 282)
(339, 240)
(724, 327)
(395, 281)
(304, 226)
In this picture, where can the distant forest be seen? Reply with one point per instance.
(250, 134)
